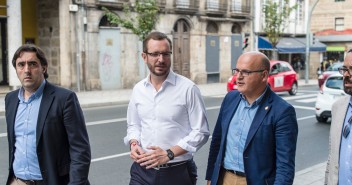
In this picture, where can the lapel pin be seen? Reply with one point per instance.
(266, 108)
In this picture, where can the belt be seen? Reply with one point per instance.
(30, 182)
(238, 173)
(169, 165)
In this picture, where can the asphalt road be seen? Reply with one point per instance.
(110, 158)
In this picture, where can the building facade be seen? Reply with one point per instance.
(86, 52)
(332, 25)
(292, 44)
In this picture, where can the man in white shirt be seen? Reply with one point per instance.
(166, 120)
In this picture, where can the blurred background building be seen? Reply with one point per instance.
(86, 52)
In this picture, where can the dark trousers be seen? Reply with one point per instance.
(185, 174)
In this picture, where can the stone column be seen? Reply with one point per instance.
(14, 36)
(65, 45)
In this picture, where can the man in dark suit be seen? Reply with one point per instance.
(254, 140)
(47, 135)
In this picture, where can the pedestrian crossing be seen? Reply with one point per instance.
(299, 97)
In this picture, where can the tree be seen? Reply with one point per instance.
(276, 19)
(141, 24)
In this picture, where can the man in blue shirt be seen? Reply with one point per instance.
(47, 135)
(339, 167)
(255, 136)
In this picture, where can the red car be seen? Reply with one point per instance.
(334, 68)
(282, 77)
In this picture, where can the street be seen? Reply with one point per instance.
(110, 157)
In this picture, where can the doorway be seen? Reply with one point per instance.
(181, 50)
(3, 53)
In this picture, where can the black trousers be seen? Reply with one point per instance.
(185, 174)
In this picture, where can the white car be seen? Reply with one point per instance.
(331, 90)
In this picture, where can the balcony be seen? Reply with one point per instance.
(240, 11)
(161, 4)
(216, 7)
(186, 6)
(112, 4)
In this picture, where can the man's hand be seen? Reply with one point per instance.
(136, 152)
(153, 158)
(208, 182)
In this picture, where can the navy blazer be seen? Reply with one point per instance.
(63, 147)
(270, 149)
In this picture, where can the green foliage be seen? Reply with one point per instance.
(141, 24)
(276, 15)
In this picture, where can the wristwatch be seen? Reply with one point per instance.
(170, 154)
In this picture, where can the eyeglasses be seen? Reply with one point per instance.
(342, 70)
(245, 72)
(157, 54)
(346, 129)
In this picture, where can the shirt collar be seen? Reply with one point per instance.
(258, 100)
(171, 79)
(35, 95)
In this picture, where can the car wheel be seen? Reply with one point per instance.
(321, 119)
(293, 89)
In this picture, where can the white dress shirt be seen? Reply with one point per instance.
(174, 115)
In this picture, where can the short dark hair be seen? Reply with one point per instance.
(31, 48)
(155, 36)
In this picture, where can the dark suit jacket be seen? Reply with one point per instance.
(269, 152)
(63, 147)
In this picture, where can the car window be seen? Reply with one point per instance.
(284, 67)
(334, 67)
(334, 83)
(275, 68)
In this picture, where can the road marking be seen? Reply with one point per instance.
(110, 157)
(303, 107)
(212, 108)
(309, 100)
(218, 96)
(307, 117)
(3, 134)
(300, 97)
(125, 119)
(105, 121)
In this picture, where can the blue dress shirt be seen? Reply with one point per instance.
(26, 165)
(345, 163)
(237, 134)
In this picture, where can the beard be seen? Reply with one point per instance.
(348, 90)
(155, 72)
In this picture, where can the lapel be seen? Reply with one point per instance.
(339, 120)
(263, 109)
(11, 111)
(45, 104)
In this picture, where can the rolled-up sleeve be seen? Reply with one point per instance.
(198, 122)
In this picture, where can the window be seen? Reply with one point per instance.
(335, 83)
(339, 24)
(339, 0)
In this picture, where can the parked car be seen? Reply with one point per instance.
(282, 77)
(329, 71)
(331, 90)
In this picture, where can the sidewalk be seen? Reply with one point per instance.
(311, 176)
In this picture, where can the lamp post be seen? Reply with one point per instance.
(308, 40)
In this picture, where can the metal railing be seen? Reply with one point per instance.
(186, 5)
(220, 6)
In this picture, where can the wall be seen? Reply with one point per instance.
(29, 22)
(325, 12)
(49, 36)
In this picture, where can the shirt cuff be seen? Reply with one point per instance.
(186, 146)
